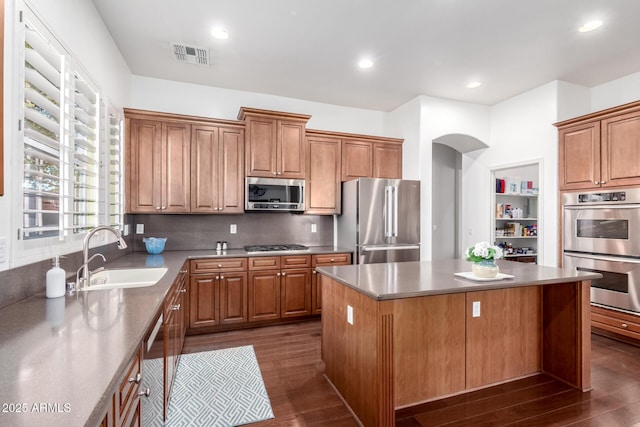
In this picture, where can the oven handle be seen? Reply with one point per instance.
(580, 208)
(603, 258)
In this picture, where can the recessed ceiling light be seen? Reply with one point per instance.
(220, 33)
(474, 85)
(365, 63)
(590, 26)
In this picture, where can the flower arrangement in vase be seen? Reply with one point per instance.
(482, 255)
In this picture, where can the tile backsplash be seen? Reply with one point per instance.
(184, 232)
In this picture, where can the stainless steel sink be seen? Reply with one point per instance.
(125, 278)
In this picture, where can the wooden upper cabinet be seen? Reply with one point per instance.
(144, 166)
(275, 143)
(371, 159)
(621, 150)
(176, 167)
(579, 156)
(159, 157)
(323, 175)
(387, 160)
(217, 162)
(601, 149)
(357, 159)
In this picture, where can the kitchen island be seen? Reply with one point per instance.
(399, 334)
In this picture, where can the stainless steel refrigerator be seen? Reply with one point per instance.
(380, 220)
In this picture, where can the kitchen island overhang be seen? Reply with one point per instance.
(400, 334)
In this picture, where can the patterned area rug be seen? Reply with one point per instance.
(218, 388)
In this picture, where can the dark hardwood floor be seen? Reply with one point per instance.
(289, 358)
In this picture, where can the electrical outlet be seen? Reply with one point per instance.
(314, 228)
(476, 309)
(139, 228)
(349, 315)
(233, 229)
(127, 229)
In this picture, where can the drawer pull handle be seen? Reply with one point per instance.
(182, 291)
(184, 271)
(314, 272)
(332, 260)
(221, 277)
(145, 393)
(137, 378)
(175, 307)
(624, 326)
(219, 265)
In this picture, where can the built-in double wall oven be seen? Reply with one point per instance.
(601, 233)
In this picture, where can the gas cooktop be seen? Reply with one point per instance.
(275, 248)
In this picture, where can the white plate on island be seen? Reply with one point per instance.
(469, 275)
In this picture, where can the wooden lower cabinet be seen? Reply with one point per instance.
(233, 292)
(127, 396)
(616, 322)
(320, 261)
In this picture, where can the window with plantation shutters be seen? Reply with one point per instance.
(72, 177)
(43, 130)
(115, 196)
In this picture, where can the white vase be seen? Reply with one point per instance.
(486, 269)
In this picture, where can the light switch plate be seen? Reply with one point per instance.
(233, 229)
(139, 228)
(314, 228)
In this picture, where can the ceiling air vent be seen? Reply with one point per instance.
(190, 54)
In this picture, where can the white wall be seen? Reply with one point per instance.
(404, 122)
(439, 117)
(521, 131)
(616, 92)
(185, 98)
(80, 29)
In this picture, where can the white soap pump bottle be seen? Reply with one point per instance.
(56, 277)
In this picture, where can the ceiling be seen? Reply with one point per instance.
(309, 49)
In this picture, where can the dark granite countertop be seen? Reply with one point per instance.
(62, 358)
(422, 278)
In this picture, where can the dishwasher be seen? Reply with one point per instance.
(153, 376)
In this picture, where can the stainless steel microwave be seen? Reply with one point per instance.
(274, 194)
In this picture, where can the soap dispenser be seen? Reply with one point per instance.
(56, 277)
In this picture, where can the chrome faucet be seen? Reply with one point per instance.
(85, 279)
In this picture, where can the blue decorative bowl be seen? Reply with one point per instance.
(154, 245)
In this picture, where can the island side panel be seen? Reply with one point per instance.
(504, 342)
(429, 347)
(357, 357)
(567, 333)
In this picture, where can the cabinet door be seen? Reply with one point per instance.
(357, 159)
(205, 164)
(295, 293)
(621, 150)
(264, 295)
(291, 146)
(316, 287)
(145, 171)
(231, 170)
(579, 156)
(261, 147)
(203, 304)
(176, 168)
(233, 298)
(387, 161)
(323, 176)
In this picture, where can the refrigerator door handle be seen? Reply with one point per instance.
(389, 248)
(388, 211)
(395, 211)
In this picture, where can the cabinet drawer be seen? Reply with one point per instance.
(331, 259)
(295, 261)
(213, 265)
(127, 393)
(264, 263)
(616, 322)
